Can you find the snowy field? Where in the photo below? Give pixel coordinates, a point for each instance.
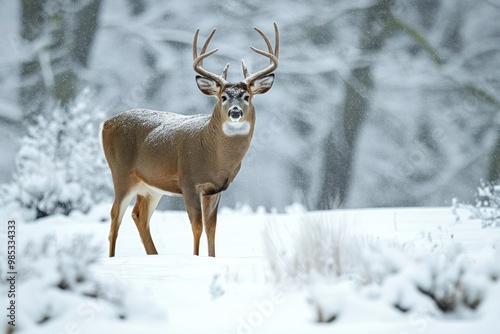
(239, 291)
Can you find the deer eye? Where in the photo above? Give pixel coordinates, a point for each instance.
(246, 98)
(224, 98)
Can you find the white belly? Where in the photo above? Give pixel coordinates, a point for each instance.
(146, 189)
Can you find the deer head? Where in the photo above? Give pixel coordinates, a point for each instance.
(234, 100)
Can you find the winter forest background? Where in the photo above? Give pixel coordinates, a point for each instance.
(376, 102)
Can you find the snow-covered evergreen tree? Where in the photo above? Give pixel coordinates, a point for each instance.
(60, 166)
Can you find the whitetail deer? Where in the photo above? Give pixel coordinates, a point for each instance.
(154, 153)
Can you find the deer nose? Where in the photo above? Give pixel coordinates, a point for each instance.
(235, 113)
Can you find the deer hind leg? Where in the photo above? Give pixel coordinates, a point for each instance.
(142, 212)
(120, 204)
(209, 206)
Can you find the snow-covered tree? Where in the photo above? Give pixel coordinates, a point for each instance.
(58, 36)
(60, 166)
(376, 102)
(432, 128)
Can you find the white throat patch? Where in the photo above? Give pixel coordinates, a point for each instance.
(236, 128)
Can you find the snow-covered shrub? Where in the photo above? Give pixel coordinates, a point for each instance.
(57, 286)
(324, 255)
(60, 166)
(487, 207)
(328, 248)
(444, 277)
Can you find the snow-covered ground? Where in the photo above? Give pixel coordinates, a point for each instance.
(237, 292)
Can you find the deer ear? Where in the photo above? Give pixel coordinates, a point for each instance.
(207, 86)
(263, 84)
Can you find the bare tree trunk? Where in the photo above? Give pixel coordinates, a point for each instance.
(494, 172)
(340, 147)
(64, 33)
(32, 92)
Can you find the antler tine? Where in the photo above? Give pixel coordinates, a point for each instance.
(269, 46)
(224, 72)
(272, 55)
(195, 43)
(276, 40)
(198, 60)
(246, 74)
(205, 46)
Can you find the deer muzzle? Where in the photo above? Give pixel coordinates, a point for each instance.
(235, 114)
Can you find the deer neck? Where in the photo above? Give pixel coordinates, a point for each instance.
(230, 145)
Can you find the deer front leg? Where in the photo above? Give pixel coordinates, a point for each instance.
(197, 227)
(209, 188)
(209, 205)
(193, 207)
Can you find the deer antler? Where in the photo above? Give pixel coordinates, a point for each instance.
(272, 55)
(198, 60)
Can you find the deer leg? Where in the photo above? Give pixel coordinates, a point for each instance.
(118, 209)
(209, 206)
(143, 209)
(197, 227)
(194, 212)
